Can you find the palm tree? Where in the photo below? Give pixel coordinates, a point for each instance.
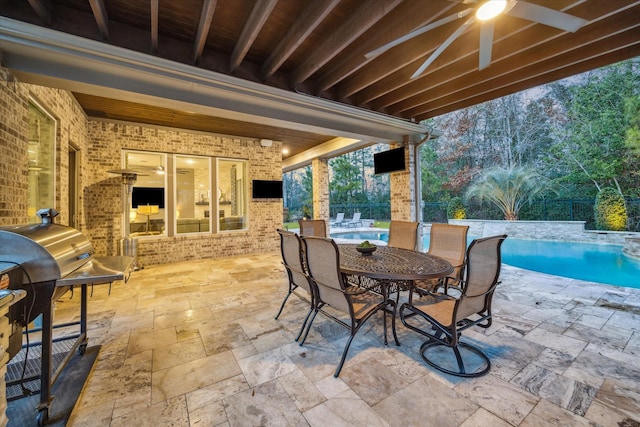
(508, 189)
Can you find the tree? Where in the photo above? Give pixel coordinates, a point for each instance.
(507, 188)
(591, 144)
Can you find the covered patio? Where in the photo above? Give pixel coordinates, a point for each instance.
(318, 81)
(195, 343)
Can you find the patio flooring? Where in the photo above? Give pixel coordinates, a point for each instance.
(196, 344)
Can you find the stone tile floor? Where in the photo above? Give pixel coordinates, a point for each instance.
(196, 344)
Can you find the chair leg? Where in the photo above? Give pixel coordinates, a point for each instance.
(283, 303)
(344, 355)
(315, 312)
(306, 318)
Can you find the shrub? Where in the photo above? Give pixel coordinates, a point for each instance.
(455, 209)
(610, 210)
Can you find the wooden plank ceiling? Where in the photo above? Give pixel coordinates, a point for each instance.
(318, 47)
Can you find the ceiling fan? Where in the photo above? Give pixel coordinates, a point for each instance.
(485, 12)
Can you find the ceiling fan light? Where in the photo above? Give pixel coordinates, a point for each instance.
(491, 9)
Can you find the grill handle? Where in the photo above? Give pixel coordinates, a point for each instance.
(47, 215)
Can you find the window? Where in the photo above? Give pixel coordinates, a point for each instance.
(148, 214)
(176, 194)
(193, 194)
(42, 154)
(232, 194)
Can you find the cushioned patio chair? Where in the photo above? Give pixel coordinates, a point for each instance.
(338, 221)
(355, 221)
(313, 227)
(442, 318)
(403, 234)
(293, 260)
(359, 304)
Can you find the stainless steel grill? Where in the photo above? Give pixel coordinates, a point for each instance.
(54, 258)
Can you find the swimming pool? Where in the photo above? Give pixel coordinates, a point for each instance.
(584, 261)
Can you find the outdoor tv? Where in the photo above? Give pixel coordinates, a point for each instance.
(147, 196)
(389, 161)
(267, 189)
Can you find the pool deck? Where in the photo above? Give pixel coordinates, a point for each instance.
(195, 343)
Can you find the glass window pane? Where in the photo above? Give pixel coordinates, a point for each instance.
(193, 194)
(232, 194)
(42, 153)
(148, 212)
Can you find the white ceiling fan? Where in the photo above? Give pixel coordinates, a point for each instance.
(485, 12)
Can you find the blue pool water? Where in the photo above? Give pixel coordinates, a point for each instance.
(584, 261)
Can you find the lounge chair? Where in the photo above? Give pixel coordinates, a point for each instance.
(355, 221)
(338, 221)
(313, 227)
(442, 318)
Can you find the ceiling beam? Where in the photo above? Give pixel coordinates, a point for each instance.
(326, 150)
(312, 16)
(608, 37)
(408, 16)
(102, 19)
(259, 15)
(206, 16)
(586, 64)
(396, 67)
(353, 27)
(400, 96)
(42, 8)
(154, 26)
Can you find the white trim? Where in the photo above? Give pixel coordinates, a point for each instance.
(43, 56)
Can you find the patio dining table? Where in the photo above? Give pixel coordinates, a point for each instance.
(392, 268)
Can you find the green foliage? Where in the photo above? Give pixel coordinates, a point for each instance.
(593, 139)
(508, 188)
(610, 210)
(455, 209)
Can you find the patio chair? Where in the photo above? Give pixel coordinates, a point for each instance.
(355, 221)
(313, 227)
(359, 304)
(292, 258)
(447, 241)
(442, 318)
(338, 221)
(403, 234)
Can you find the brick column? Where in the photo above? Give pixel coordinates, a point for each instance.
(403, 188)
(320, 172)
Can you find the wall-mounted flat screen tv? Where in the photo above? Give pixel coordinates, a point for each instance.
(263, 189)
(389, 161)
(147, 196)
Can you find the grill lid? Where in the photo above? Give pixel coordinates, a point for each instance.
(46, 251)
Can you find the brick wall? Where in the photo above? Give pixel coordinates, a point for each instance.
(108, 139)
(100, 145)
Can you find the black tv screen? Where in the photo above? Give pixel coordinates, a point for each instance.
(389, 161)
(263, 189)
(147, 196)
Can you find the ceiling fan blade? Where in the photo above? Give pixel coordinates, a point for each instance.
(546, 16)
(417, 32)
(486, 43)
(461, 29)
